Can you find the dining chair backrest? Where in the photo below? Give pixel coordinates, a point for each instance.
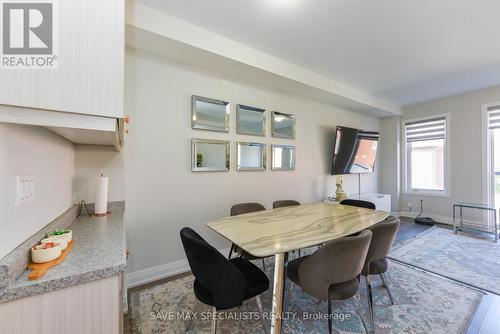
(383, 237)
(286, 202)
(213, 271)
(358, 203)
(338, 261)
(242, 208)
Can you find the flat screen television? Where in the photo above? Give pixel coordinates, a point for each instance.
(354, 151)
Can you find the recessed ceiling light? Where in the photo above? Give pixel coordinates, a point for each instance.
(283, 2)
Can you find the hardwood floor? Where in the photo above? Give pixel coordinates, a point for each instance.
(486, 319)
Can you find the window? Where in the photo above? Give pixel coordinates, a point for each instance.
(492, 185)
(426, 155)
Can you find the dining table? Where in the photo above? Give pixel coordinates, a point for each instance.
(277, 232)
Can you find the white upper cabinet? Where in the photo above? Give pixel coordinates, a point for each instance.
(89, 45)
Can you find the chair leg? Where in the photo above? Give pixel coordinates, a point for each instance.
(214, 321)
(196, 303)
(386, 286)
(358, 310)
(231, 251)
(330, 325)
(263, 264)
(370, 302)
(261, 311)
(299, 253)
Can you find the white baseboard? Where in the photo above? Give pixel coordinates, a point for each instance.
(152, 274)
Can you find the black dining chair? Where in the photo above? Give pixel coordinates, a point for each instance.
(359, 203)
(332, 272)
(383, 235)
(240, 209)
(219, 282)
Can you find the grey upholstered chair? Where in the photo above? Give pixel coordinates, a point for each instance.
(383, 237)
(332, 272)
(240, 209)
(285, 202)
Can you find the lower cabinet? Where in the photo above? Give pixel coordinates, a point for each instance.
(94, 307)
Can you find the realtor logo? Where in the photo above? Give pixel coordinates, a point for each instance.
(28, 35)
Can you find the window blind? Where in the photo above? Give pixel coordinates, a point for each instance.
(428, 129)
(494, 117)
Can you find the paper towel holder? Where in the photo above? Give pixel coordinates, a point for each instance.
(85, 211)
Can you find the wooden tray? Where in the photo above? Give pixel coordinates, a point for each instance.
(39, 269)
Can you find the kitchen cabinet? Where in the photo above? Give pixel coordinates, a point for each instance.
(89, 45)
(77, 128)
(94, 307)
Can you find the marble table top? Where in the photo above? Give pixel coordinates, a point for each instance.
(282, 230)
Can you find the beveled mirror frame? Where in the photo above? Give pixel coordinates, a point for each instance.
(263, 156)
(195, 125)
(272, 157)
(275, 134)
(195, 141)
(262, 133)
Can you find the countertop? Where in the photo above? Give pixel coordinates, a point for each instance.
(98, 252)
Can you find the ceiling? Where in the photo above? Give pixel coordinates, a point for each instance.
(402, 51)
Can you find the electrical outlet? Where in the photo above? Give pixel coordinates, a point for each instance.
(25, 189)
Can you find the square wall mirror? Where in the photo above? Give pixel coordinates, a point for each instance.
(283, 157)
(250, 156)
(283, 125)
(209, 114)
(250, 120)
(209, 155)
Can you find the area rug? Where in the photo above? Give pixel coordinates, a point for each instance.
(424, 303)
(462, 257)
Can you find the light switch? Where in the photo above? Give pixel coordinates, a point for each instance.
(25, 189)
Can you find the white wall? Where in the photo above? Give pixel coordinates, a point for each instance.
(90, 162)
(389, 159)
(465, 145)
(32, 151)
(163, 195)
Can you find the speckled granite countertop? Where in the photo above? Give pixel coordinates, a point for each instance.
(98, 252)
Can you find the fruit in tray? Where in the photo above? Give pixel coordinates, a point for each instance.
(45, 252)
(63, 236)
(55, 239)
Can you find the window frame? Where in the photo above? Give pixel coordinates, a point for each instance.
(407, 167)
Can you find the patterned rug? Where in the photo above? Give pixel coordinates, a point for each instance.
(461, 257)
(424, 303)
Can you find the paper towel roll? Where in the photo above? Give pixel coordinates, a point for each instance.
(101, 198)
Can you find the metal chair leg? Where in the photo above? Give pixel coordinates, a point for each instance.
(370, 302)
(263, 264)
(196, 303)
(299, 253)
(386, 286)
(358, 311)
(261, 311)
(214, 321)
(330, 316)
(231, 251)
